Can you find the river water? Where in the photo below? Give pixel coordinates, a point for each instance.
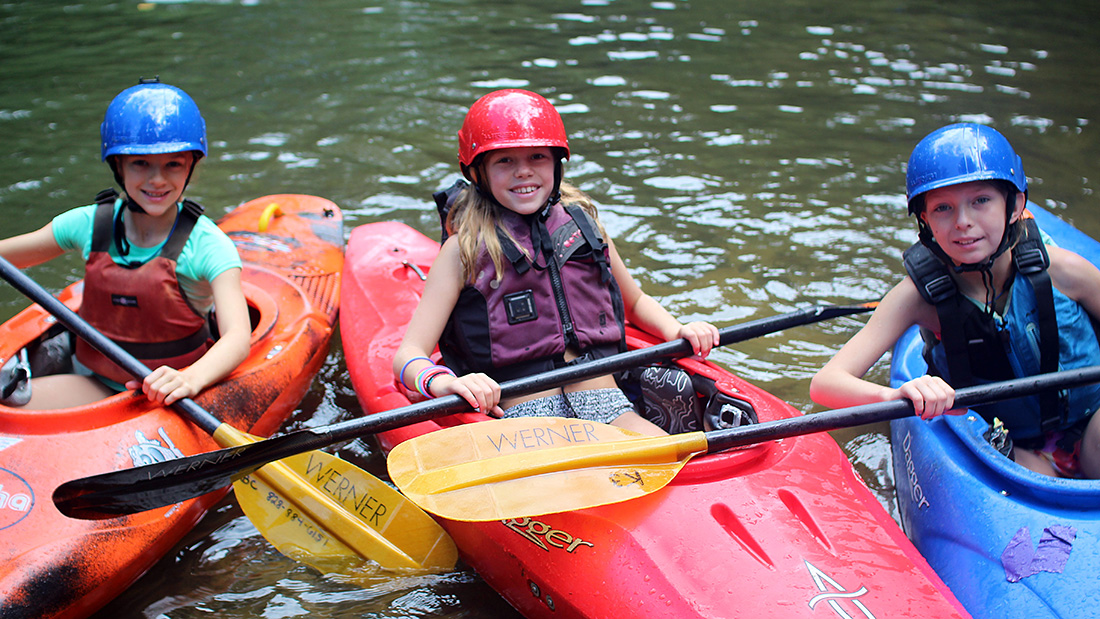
(748, 159)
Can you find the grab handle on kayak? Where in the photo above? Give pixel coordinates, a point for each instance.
(416, 269)
(271, 210)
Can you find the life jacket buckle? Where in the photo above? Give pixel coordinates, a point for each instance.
(1032, 260)
(1051, 423)
(940, 288)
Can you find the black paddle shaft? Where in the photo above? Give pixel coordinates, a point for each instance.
(718, 440)
(164, 483)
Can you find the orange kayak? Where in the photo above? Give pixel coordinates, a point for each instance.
(292, 248)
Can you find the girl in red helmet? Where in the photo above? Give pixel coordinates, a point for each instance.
(155, 265)
(993, 301)
(527, 279)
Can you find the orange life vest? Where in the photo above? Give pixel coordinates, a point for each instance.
(141, 308)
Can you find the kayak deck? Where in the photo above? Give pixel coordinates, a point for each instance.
(53, 566)
(784, 528)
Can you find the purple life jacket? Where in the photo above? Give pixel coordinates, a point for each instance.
(565, 297)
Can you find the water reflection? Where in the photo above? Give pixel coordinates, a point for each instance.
(748, 159)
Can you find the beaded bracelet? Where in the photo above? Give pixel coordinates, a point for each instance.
(401, 376)
(427, 374)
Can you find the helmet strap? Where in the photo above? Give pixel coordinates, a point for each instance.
(985, 267)
(476, 172)
(1008, 238)
(112, 162)
(194, 164)
(559, 174)
(131, 204)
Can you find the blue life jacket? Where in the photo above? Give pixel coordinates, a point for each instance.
(1042, 331)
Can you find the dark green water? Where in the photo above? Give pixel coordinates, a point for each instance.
(748, 158)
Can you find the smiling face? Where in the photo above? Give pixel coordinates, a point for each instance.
(156, 182)
(968, 220)
(521, 179)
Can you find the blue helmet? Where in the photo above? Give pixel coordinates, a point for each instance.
(961, 153)
(152, 119)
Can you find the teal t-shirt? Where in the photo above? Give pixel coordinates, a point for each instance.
(207, 254)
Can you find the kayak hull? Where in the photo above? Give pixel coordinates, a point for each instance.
(1009, 542)
(53, 566)
(784, 528)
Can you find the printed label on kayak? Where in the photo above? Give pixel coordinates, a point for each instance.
(836, 596)
(16, 498)
(151, 451)
(8, 441)
(256, 241)
(915, 490)
(544, 536)
(571, 433)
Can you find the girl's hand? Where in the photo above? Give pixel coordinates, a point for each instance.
(166, 385)
(480, 391)
(702, 335)
(930, 395)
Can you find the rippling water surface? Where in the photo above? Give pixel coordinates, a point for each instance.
(748, 158)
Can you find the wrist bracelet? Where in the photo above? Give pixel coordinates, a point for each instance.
(401, 376)
(426, 375)
(428, 383)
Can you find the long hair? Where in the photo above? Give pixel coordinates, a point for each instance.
(473, 220)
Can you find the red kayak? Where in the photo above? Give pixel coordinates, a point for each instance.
(53, 566)
(781, 529)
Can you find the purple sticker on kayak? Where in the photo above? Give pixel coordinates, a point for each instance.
(1020, 560)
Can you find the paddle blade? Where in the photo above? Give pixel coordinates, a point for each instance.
(292, 532)
(322, 510)
(319, 509)
(512, 468)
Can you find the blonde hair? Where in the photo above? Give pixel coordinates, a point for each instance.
(473, 221)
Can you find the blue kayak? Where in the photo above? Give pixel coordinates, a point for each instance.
(1008, 542)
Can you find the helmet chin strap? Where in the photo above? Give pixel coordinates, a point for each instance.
(985, 267)
(132, 205)
(476, 172)
(1007, 238)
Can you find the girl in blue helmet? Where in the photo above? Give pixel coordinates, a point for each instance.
(155, 266)
(993, 301)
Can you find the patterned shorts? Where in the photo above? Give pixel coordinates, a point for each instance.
(1065, 462)
(599, 405)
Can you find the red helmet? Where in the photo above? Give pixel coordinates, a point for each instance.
(509, 119)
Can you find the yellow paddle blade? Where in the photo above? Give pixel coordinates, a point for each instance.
(319, 509)
(511, 468)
